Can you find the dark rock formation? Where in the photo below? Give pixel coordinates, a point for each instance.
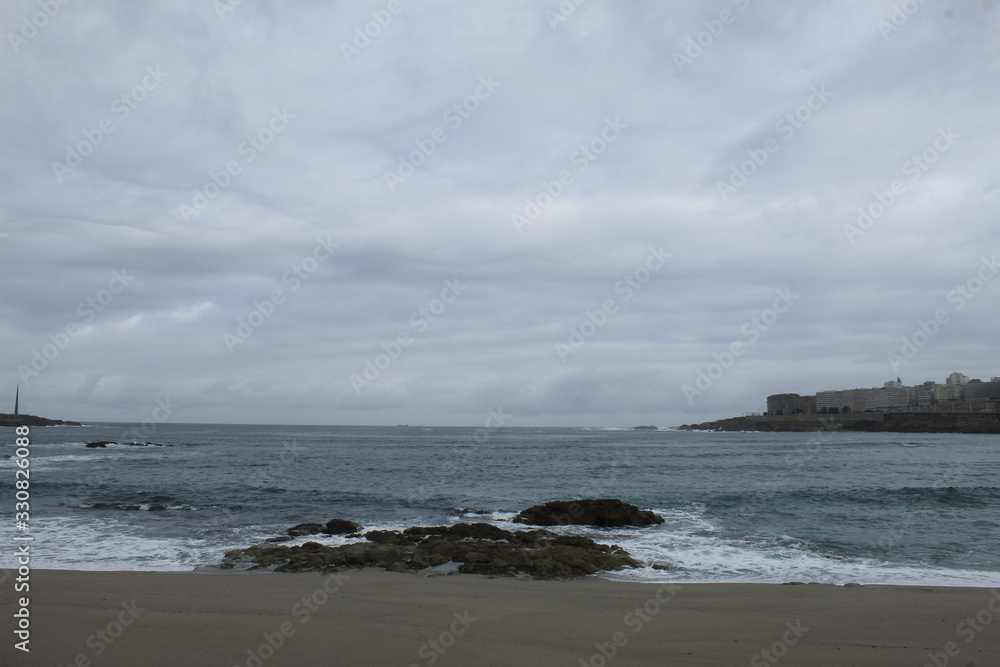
(904, 422)
(105, 443)
(603, 513)
(479, 549)
(332, 527)
(305, 529)
(342, 527)
(32, 420)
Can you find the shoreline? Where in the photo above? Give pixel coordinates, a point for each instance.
(883, 422)
(373, 617)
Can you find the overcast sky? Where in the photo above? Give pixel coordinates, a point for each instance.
(380, 213)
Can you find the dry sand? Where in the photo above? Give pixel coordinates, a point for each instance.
(372, 617)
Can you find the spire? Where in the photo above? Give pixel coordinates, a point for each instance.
(17, 399)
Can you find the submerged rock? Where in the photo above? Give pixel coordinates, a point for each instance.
(105, 443)
(478, 548)
(603, 513)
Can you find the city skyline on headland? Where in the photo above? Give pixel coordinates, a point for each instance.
(958, 393)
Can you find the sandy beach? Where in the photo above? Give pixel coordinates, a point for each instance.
(369, 617)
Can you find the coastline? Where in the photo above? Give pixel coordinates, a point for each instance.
(373, 617)
(12, 421)
(887, 422)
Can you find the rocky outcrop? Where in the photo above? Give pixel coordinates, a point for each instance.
(304, 529)
(477, 548)
(32, 420)
(342, 527)
(105, 443)
(603, 513)
(332, 527)
(908, 422)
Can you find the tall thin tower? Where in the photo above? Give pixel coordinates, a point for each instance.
(17, 399)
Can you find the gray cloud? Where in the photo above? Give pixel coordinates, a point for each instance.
(277, 129)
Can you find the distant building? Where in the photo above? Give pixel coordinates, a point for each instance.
(983, 391)
(791, 404)
(957, 379)
(925, 395)
(956, 395)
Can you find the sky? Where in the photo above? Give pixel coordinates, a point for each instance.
(528, 213)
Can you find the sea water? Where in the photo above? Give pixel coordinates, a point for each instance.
(830, 507)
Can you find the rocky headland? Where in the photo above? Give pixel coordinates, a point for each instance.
(907, 422)
(32, 420)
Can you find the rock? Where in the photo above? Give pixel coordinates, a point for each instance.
(479, 531)
(662, 566)
(305, 529)
(603, 513)
(105, 443)
(478, 548)
(279, 538)
(342, 527)
(387, 537)
(475, 557)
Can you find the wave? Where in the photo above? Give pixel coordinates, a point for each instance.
(153, 505)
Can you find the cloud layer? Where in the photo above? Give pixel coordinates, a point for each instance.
(384, 212)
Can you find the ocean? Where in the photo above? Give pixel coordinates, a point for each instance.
(828, 507)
